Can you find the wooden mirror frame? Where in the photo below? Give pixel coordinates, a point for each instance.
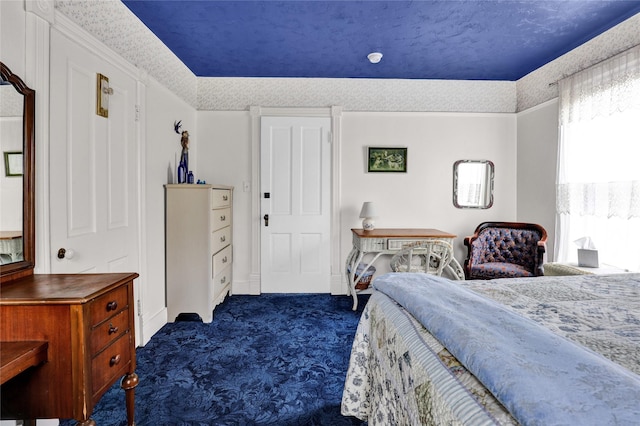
(25, 267)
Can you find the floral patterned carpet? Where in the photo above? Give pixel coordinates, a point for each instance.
(273, 359)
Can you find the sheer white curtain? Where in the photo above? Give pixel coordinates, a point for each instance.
(598, 189)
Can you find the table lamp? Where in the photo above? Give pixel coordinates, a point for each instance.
(367, 214)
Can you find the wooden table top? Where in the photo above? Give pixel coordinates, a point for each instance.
(60, 288)
(402, 233)
(10, 235)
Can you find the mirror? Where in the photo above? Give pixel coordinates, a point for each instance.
(473, 184)
(17, 189)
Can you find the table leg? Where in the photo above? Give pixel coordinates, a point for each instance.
(129, 383)
(349, 265)
(357, 257)
(455, 269)
(353, 281)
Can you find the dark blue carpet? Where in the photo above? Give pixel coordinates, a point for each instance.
(273, 359)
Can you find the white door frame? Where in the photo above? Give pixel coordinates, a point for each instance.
(335, 113)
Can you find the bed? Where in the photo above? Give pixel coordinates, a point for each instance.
(531, 351)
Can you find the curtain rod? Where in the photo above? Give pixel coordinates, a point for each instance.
(555, 83)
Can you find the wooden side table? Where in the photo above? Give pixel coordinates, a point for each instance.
(389, 241)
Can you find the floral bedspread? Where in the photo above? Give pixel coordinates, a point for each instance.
(601, 312)
(400, 374)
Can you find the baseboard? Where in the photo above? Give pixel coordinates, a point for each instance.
(338, 285)
(246, 287)
(151, 324)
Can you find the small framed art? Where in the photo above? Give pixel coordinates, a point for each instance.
(13, 163)
(387, 160)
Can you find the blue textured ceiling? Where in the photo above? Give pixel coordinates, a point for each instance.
(465, 40)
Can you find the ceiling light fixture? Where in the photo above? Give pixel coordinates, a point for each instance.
(374, 57)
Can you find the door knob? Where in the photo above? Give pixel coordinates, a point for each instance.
(266, 220)
(66, 254)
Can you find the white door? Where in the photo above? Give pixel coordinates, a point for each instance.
(93, 162)
(295, 197)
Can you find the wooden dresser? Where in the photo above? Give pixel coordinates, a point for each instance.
(199, 249)
(85, 323)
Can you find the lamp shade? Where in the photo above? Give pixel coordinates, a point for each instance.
(368, 210)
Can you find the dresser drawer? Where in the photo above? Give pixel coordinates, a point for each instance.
(222, 279)
(221, 260)
(220, 218)
(109, 304)
(369, 244)
(110, 363)
(220, 239)
(221, 282)
(220, 198)
(108, 331)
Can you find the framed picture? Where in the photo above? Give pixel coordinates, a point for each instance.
(13, 163)
(387, 160)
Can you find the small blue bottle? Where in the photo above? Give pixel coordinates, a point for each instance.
(190, 177)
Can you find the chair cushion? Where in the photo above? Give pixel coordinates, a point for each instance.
(498, 270)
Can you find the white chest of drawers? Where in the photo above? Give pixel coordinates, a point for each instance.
(199, 249)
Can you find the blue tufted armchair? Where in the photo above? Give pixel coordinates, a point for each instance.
(505, 250)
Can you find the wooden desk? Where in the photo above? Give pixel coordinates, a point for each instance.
(87, 322)
(388, 241)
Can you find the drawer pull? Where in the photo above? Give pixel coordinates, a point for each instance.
(223, 218)
(223, 280)
(112, 329)
(224, 259)
(115, 360)
(223, 239)
(112, 306)
(225, 198)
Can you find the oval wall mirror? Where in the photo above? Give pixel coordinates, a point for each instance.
(473, 184)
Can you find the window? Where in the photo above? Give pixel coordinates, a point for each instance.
(598, 188)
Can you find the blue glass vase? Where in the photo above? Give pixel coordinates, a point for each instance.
(182, 173)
